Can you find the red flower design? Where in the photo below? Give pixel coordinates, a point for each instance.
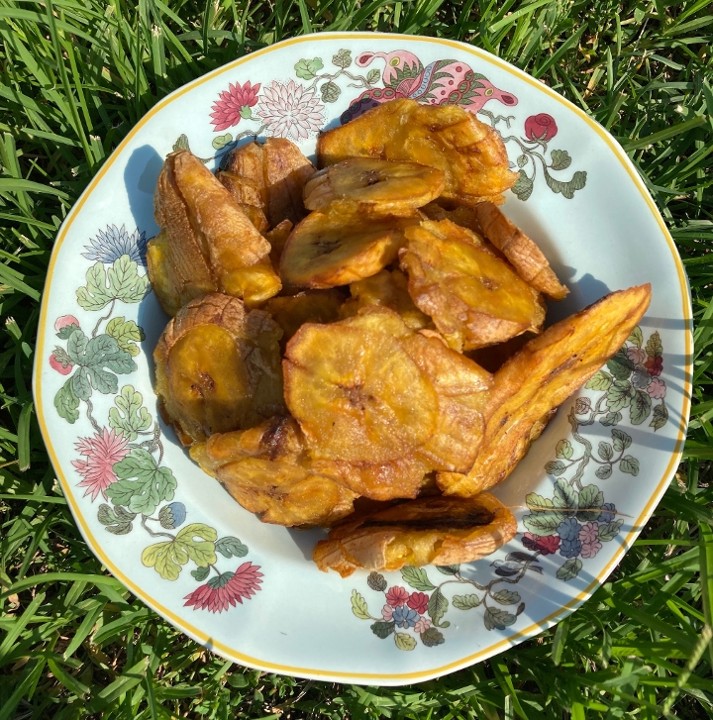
(61, 363)
(226, 110)
(541, 127)
(545, 544)
(418, 601)
(64, 320)
(654, 365)
(228, 589)
(396, 596)
(101, 451)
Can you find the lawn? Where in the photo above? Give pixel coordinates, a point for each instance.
(74, 78)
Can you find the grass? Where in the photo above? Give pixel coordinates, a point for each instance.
(73, 643)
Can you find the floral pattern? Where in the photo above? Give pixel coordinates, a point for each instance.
(295, 108)
(120, 462)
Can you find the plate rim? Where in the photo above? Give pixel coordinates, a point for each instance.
(507, 641)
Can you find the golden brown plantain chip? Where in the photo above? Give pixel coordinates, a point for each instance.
(268, 471)
(542, 375)
(470, 153)
(218, 368)
(247, 195)
(341, 245)
(432, 530)
(391, 187)
(474, 298)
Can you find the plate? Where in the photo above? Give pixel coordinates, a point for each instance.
(248, 591)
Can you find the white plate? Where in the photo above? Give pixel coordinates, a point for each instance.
(249, 591)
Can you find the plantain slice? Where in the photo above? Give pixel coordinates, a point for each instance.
(206, 242)
(341, 245)
(268, 471)
(388, 288)
(474, 298)
(217, 368)
(277, 237)
(360, 399)
(462, 388)
(392, 187)
(279, 171)
(543, 374)
(431, 530)
(248, 195)
(470, 153)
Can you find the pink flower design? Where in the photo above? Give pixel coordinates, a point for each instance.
(541, 127)
(636, 355)
(656, 388)
(589, 532)
(102, 451)
(422, 624)
(61, 363)
(589, 550)
(64, 320)
(226, 590)
(387, 612)
(231, 102)
(418, 601)
(396, 596)
(654, 365)
(545, 544)
(291, 111)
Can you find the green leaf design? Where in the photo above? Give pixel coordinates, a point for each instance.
(167, 558)
(437, 606)
(220, 141)
(404, 641)
(417, 578)
(126, 333)
(605, 451)
(342, 59)
(129, 416)
(117, 519)
(373, 76)
(506, 597)
(629, 465)
(565, 496)
(66, 403)
(359, 606)
(104, 351)
(619, 396)
(77, 346)
(599, 381)
(142, 484)
(466, 602)
(448, 569)
(660, 416)
(121, 281)
(544, 519)
(195, 542)
(80, 385)
(382, 629)
(620, 366)
(621, 440)
(570, 569)
(591, 499)
(603, 472)
(566, 188)
(376, 581)
(308, 69)
(610, 530)
(636, 338)
(201, 573)
(330, 92)
(640, 407)
(198, 540)
(523, 186)
(611, 418)
(654, 346)
(564, 449)
(555, 467)
(561, 160)
(432, 637)
(231, 547)
(181, 143)
(497, 618)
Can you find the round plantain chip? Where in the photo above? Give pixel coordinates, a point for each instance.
(268, 471)
(389, 186)
(217, 368)
(430, 530)
(356, 393)
(341, 245)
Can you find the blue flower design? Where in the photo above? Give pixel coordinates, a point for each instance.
(569, 529)
(172, 515)
(113, 242)
(607, 514)
(404, 616)
(570, 548)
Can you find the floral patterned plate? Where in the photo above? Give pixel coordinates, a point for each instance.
(249, 591)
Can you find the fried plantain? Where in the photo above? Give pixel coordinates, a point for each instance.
(248, 196)
(470, 153)
(392, 187)
(542, 375)
(217, 368)
(474, 298)
(431, 530)
(268, 471)
(340, 246)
